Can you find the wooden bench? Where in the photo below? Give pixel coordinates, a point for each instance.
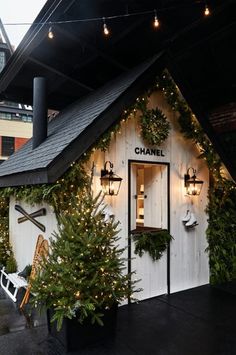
(13, 283)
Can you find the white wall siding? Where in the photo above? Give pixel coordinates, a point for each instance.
(188, 259)
(23, 236)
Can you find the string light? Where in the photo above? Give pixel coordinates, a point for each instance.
(105, 29)
(93, 19)
(206, 11)
(156, 22)
(50, 33)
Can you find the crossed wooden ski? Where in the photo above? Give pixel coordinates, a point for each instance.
(41, 252)
(31, 216)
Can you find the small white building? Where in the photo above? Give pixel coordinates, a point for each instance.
(152, 193)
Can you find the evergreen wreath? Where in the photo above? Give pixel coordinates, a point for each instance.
(153, 242)
(154, 126)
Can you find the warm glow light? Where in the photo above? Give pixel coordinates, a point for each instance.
(207, 11)
(110, 182)
(193, 184)
(156, 22)
(105, 28)
(193, 190)
(50, 33)
(112, 189)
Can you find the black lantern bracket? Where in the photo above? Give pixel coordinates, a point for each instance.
(105, 170)
(109, 180)
(193, 184)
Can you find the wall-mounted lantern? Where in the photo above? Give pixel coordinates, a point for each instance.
(193, 184)
(110, 182)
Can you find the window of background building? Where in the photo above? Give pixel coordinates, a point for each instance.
(5, 116)
(8, 146)
(15, 117)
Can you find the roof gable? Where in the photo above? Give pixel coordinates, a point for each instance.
(76, 128)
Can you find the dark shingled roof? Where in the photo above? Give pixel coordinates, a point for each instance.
(76, 128)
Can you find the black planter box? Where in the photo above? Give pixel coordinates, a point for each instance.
(75, 336)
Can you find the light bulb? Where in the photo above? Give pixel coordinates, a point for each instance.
(105, 28)
(111, 189)
(207, 11)
(50, 33)
(156, 22)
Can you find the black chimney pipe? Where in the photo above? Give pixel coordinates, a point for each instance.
(40, 119)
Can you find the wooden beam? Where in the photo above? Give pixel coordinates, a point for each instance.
(63, 75)
(97, 52)
(6, 37)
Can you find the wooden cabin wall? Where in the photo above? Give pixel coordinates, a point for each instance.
(23, 236)
(188, 259)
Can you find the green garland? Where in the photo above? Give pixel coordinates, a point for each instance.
(6, 253)
(188, 123)
(221, 209)
(221, 231)
(153, 242)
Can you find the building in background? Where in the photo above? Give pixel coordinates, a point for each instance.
(15, 127)
(15, 119)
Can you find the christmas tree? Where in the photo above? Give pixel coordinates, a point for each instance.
(84, 273)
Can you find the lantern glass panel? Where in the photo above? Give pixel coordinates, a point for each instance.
(194, 186)
(111, 184)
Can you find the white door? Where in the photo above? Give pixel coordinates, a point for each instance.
(149, 208)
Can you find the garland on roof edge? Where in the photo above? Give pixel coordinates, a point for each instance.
(221, 209)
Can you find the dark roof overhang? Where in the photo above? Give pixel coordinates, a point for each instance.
(24, 167)
(79, 59)
(201, 55)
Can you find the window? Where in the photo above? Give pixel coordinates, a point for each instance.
(5, 116)
(149, 196)
(27, 118)
(16, 117)
(148, 212)
(8, 146)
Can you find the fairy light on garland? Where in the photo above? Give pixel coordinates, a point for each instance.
(6, 253)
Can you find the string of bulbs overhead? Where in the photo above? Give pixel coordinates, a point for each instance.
(105, 28)
(106, 31)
